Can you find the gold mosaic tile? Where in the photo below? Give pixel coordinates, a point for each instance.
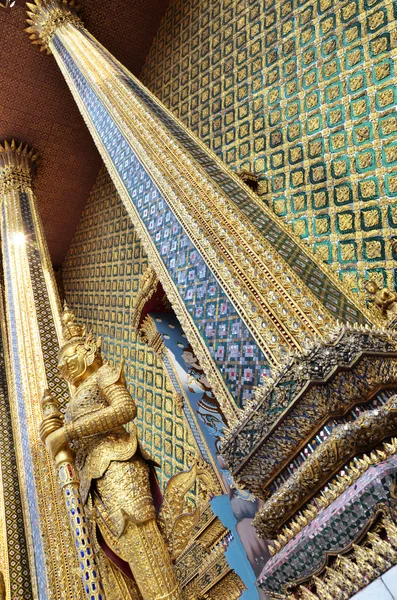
(304, 94)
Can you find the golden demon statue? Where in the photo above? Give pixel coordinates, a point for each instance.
(116, 474)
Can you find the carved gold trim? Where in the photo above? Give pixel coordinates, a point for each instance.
(202, 567)
(212, 535)
(365, 559)
(384, 299)
(179, 401)
(331, 492)
(347, 440)
(176, 518)
(230, 586)
(354, 362)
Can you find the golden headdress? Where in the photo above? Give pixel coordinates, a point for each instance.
(72, 332)
(75, 334)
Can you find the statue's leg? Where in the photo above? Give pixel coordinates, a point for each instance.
(131, 531)
(150, 561)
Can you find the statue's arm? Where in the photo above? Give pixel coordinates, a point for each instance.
(121, 410)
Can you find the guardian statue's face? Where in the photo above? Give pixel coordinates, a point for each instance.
(73, 363)
(80, 355)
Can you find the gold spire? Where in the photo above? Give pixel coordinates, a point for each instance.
(16, 165)
(70, 329)
(46, 16)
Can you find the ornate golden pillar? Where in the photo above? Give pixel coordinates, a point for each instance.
(16, 580)
(246, 291)
(32, 314)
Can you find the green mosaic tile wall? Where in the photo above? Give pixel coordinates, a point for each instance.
(101, 277)
(302, 92)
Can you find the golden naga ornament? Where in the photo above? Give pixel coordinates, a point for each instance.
(118, 485)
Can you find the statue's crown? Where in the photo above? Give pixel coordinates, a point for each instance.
(70, 329)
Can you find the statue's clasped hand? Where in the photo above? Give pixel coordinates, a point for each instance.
(56, 441)
(52, 431)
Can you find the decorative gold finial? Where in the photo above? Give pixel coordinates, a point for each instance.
(16, 165)
(46, 16)
(70, 329)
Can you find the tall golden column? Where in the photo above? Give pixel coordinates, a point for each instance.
(219, 252)
(32, 314)
(15, 573)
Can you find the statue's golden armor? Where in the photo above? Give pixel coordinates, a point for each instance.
(94, 428)
(114, 471)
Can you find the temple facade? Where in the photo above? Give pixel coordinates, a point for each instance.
(198, 300)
